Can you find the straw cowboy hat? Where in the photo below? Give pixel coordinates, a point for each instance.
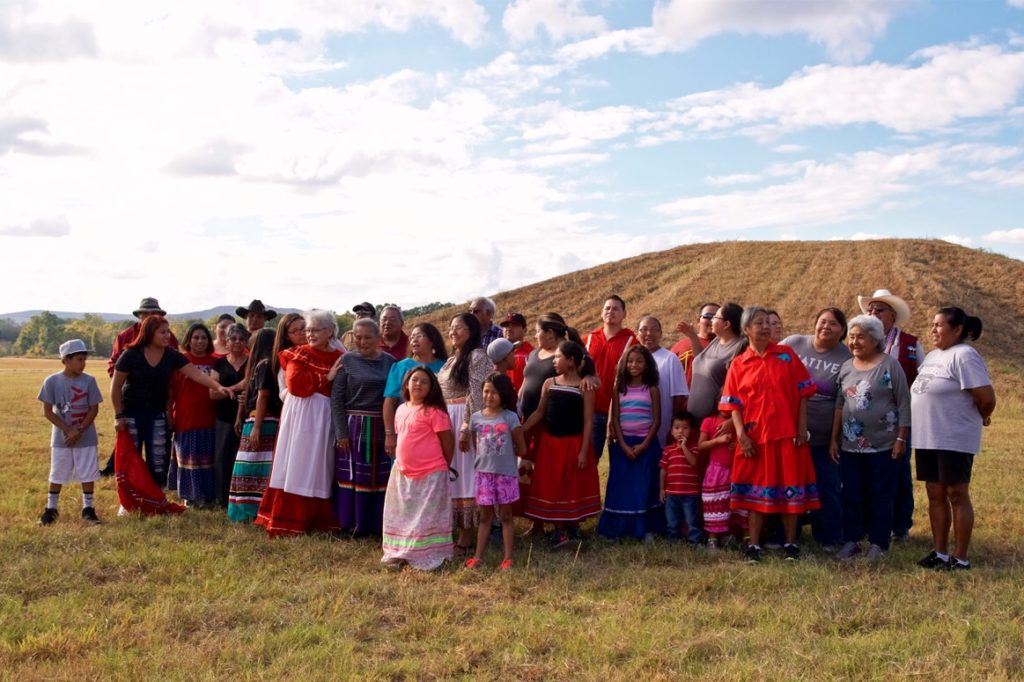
(894, 302)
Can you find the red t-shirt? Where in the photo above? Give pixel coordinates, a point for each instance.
(768, 389)
(418, 452)
(399, 351)
(683, 350)
(306, 368)
(606, 354)
(190, 402)
(721, 454)
(681, 477)
(516, 373)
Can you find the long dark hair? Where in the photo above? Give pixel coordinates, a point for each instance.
(435, 398)
(578, 354)
(281, 341)
(649, 376)
(436, 339)
(192, 331)
(460, 370)
(506, 391)
(261, 349)
(970, 326)
(555, 323)
(147, 330)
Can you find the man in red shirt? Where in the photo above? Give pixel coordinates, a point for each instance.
(514, 329)
(684, 347)
(606, 345)
(393, 339)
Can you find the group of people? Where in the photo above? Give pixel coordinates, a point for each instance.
(734, 434)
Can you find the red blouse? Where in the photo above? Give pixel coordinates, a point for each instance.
(306, 368)
(191, 404)
(768, 390)
(606, 353)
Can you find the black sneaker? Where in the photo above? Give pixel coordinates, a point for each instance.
(108, 470)
(89, 515)
(48, 516)
(957, 565)
(934, 562)
(792, 552)
(752, 554)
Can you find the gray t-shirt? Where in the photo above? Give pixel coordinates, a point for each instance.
(709, 370)
(71, 398)
(875, 404)
(823, 368)
(945, 416)
(495, 450)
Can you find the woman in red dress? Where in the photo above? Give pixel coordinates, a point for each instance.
(766, 391)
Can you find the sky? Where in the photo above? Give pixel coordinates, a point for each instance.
(316, 153)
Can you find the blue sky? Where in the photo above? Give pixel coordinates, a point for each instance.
(317, 154)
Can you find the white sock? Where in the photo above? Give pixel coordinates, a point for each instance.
(963, 562)
(51, 500)
(86, 500)
(944, 557)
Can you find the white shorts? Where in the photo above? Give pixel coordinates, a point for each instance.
(70, 464)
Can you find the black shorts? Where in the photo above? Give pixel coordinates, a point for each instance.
(944, 466)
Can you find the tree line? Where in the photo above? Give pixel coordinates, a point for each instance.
(42, 334)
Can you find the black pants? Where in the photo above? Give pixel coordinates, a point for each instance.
(225, 448)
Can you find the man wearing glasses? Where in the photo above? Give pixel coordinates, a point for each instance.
(894, 313)
(683, 349)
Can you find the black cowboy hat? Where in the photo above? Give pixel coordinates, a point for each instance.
(255, 307)
(149, 305)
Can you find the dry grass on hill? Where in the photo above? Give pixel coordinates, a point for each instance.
(797, 279)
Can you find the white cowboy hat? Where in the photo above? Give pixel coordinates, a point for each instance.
(894, 302)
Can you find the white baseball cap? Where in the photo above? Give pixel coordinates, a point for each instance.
(71, 347)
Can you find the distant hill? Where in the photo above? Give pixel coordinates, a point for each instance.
(23, 316)
(797, 279)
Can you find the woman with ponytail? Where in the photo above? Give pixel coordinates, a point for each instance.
(950, 401)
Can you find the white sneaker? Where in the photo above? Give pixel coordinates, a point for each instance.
(121, 511)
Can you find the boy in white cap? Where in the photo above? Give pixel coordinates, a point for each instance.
(71, 399)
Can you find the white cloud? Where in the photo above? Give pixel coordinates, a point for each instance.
(847, 28)
(733, 179)
(1015, 3)
(1001, 177)
(56, 226)
(788, 148)
(988, 81)
(865, 236)
(23, 39)
(823, 193)
(1015, 236)
(562, 129)
(561, 19)
(957, 239)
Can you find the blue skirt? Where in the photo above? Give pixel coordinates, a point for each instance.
(632, 507)
(362, 475)
(194, 449)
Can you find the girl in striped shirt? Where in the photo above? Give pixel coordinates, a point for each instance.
(632, 507)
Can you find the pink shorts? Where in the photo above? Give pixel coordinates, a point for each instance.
(496, 488)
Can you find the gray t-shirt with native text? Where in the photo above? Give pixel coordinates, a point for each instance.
(823, 367)
(71, 398)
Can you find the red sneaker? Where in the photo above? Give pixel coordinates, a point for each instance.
(505, 565)
(473, 563)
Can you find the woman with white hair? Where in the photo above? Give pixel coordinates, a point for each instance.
(298, 497)
(869, 437)
(357, 403)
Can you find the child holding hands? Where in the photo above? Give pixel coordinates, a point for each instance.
(680, 480)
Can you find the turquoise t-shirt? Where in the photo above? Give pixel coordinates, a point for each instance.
(393, 387)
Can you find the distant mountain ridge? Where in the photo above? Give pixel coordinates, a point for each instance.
(24, 316)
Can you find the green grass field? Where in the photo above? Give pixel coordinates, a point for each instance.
(196, 597)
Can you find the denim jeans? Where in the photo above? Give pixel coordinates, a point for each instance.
(903, 508)
(599, 433)
(827, 522)
(679, 508)
(869, 486)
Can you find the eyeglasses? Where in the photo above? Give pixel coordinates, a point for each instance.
(314, 330)
(707, 316)
(878, 309)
